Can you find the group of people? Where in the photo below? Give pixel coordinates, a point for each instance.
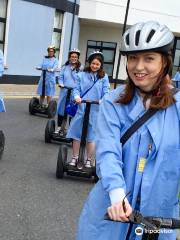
(89, 83)
(147, 165)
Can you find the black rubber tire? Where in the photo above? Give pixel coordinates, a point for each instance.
(49, 130)
(52, 108)
(2, 143)
(33, 102)
(62, 159)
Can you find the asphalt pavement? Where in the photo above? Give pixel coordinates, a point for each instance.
(34, 205)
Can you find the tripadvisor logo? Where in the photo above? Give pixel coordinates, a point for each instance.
(139, 231)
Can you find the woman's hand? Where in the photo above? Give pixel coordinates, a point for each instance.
(118, 212)
(38, 68)
(78, 100)
(50, 70)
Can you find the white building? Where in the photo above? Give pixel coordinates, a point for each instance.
(101, 24)
(27, 27)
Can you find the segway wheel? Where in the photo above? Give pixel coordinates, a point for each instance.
(32, 104)
(96, 179)
(49, 130)
(62, 159)
(2, 143)
(52, 108)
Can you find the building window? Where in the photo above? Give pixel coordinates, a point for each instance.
(3, 12)
(108, 49)
(176, 62)
(56, 37)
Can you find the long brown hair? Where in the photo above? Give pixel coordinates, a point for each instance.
(161, 96)
(100, 72)
(76, 66)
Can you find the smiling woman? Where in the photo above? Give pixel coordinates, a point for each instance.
(148, 162)
(144, 68)
(148, 72)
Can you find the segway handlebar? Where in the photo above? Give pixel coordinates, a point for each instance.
(152, 223)
(69, 88)
(89, 101)
(48, 70)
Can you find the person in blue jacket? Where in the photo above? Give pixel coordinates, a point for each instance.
(2, 105)
(176, 78)
(93, 74)
(50, 63)
(148, 165)
(67, 78)
(1, 63)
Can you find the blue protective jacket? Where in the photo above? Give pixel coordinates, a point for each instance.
(154, 187)
(50, 79)
(176, 79)
(68, 78)
(1, 64)
(84, 81)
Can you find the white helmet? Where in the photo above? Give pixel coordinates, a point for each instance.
(95, 53)
(51, 47)
(74, 50)
(147, 36)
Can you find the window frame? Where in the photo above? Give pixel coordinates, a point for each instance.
(58, 30)
(3, 20)
(101, 48)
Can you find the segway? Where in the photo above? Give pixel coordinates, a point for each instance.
(36, 107)
(50, 134)
(62, 161)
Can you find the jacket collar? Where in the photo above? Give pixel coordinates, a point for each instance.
(154, 124)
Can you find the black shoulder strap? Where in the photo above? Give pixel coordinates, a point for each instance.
(137, 125)
(147, 115)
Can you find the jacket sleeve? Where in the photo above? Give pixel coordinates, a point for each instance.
(106, 85)
(61, 76)
(77, 89)
(1, 63)
(108, 147)
(81, 68)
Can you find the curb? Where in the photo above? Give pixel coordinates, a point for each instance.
(20, 95)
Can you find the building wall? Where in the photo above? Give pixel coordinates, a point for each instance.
(99, 33)
(66, 34)
(103, 20)
(166, 12)
(28, 36)
(29, 30)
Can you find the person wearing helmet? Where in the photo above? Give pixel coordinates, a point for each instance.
(176, 78)
(147, 166)
(49, 63)
(95, 77)
(67, 79)
(1, 63)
